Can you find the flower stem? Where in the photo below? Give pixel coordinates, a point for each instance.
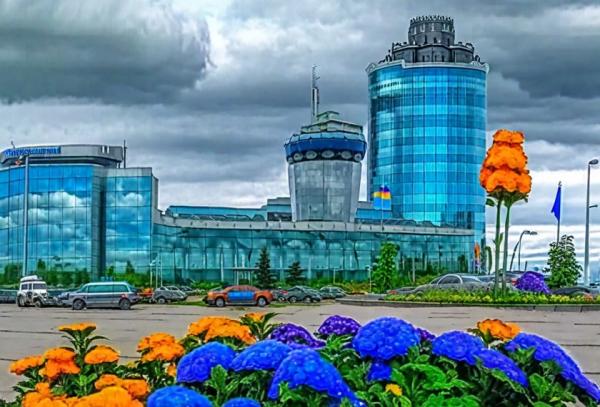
(497, 246)
(505, 260)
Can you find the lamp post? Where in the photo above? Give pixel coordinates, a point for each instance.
(586, 261)
(518, 245)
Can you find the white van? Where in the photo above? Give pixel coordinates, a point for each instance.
(33, 291)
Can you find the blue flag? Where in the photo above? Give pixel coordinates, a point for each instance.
(556, 207)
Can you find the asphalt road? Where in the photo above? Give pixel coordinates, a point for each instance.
(30, 331)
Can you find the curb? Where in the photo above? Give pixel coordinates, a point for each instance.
(526, 307)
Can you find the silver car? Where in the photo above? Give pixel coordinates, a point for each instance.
(457, 282)
(101, 295)
(163, 295)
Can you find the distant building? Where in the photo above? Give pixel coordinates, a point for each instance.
(427, 123)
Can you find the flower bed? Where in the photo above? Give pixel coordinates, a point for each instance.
(252, 362)
(480, 297)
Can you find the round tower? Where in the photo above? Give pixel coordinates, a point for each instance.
(325, 168)
(431, 30)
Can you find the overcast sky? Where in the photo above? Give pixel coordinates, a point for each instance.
(206, 92)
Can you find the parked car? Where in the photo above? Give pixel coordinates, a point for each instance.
(239, 295)
(33, 291)
(577, 291)
(461, 282)
(163, 295)
(332, 292)
(188, 290)
(8, 296)
(302, 293)
(279, 294)
(101, 295)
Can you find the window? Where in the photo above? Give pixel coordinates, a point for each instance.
(450, 280)
(100, 289)
(120, 288)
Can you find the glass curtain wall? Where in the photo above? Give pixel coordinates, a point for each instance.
(427, 127)
(218, 254)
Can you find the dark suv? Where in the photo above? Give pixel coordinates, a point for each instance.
(302, 293)
(101, 295)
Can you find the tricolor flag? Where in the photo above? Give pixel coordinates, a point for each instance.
(382, 199)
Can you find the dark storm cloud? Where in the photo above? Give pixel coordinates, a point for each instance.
(111, 50)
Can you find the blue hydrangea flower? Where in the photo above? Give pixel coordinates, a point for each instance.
(457, 345)
(305, 367)
(241, 402)
(385, 338)
(379, 371)
(177, 396)
(195, 367)
(425, 335)
(492, 359)
(263, 355)
(532, 282)
(338, 325)
(546, 350)
(295, 334)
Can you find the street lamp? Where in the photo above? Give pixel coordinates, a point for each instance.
(586, 262)
(518, 245)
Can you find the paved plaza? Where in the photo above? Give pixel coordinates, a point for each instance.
(30, 331)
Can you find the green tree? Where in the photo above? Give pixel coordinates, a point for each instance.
(562, 263)
(295, 274)
(66, 278)
(41, 266)
(129, 269)
(12, 272)
(264, 278)
(110, 272)
(384, 268)
(52, 277)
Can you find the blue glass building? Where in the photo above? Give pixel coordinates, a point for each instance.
(427, 121)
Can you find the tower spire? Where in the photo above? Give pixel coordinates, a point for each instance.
(314, 95)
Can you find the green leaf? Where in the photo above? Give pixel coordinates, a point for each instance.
(539, 385)
(541, 404)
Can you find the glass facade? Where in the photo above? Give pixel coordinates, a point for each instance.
(427, 141)
(61, 232)
(222, 253)
(128, 207)
(323, 189)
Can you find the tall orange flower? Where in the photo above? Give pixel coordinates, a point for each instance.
(137, 388)
(220, 327)
(109, 397)
(59, 361)
(101, 354)
(504, 169)
(79, 327)
(164, 353)
(498, 329)
(23, 365)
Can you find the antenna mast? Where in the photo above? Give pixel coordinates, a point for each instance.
(314, 95)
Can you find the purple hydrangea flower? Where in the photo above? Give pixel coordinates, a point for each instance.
(379, 371)
(196, 366)
(177, 396)
(457, 345)
(241, 402)
(295, 334)
(263, 355)
(305, 367)
(546, 350)
(492, 359)
(425, 335)
(385, 338)
(338, 325)
(532, 282)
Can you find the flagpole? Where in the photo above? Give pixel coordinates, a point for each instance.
(560, 210)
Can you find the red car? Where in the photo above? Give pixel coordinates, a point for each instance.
(239, 295)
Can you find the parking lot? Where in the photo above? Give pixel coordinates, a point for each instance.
(29, 331)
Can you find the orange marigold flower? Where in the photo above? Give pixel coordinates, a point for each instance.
(394, 389)
(77, 327)
(107, 380)
(155, 340)
(35, 398)
(498, 329)
(22, 365)
(172, 370)
(59, 361)
(508, 136)
(255, 316)
(101, 354)
(203, 324)
(231, 329)
(137, 388)
(53, 403)
(165, 353)
(109, 397)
